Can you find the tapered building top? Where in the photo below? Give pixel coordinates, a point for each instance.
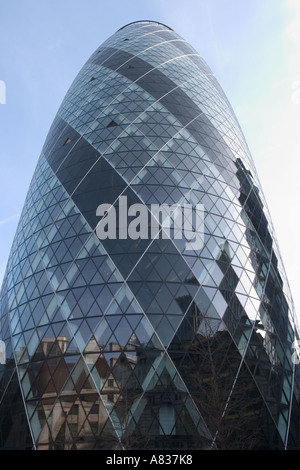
(144, 303)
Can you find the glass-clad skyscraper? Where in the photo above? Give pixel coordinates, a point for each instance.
(115, 339)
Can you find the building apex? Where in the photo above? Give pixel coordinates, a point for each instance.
(146, 21)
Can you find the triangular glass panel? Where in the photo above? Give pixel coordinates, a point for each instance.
(112, 124)
(108, 437)
(81, 332)
(102, 333)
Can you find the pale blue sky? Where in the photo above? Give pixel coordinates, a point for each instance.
(253, 47)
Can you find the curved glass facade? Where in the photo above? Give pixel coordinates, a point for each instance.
(138, 342)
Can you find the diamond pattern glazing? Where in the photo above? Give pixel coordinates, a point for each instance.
(131, 344)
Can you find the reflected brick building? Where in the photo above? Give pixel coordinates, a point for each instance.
(132, 344)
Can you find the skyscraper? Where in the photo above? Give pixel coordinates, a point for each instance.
(120, 334)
